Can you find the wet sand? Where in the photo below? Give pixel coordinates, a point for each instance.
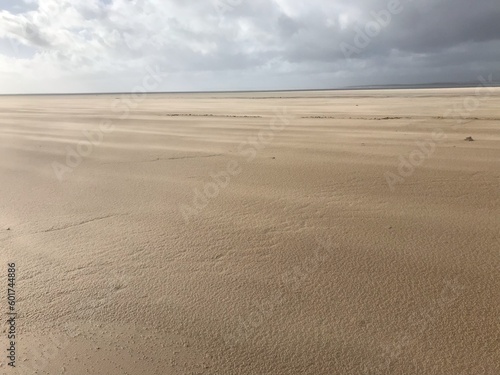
(332, 232)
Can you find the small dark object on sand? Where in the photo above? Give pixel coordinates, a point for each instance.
(469, 139)
(8, 228)
(274, 157)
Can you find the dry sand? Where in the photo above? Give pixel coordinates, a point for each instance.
(304, 262)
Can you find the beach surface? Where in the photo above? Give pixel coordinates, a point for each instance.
(322, 232)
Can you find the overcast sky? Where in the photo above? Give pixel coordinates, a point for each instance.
(107, 45)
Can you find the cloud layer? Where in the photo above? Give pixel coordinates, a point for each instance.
(106, 45)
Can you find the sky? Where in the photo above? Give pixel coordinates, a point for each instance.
(61, 46)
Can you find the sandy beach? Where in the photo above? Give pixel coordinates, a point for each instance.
(321, 232)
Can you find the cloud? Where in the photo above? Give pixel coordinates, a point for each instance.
(97, 45)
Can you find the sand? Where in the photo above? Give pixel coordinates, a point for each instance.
(253, 233)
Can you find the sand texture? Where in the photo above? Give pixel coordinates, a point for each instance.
(334, 232)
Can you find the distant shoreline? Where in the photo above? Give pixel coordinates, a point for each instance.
(348, 88)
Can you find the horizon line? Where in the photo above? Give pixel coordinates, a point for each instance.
(397, 86)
